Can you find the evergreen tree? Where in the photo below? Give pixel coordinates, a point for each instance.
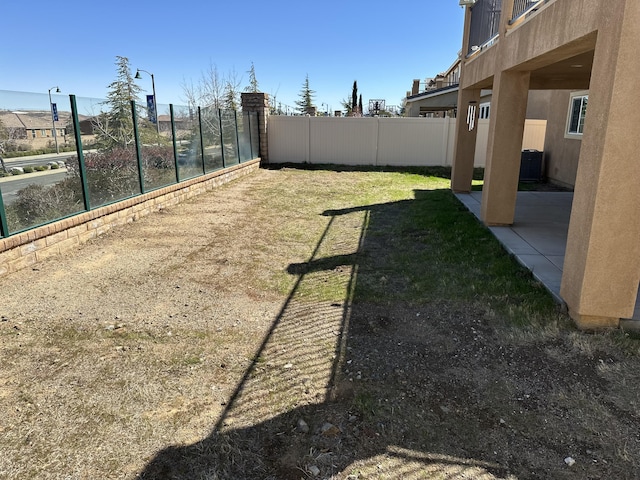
(115, 126)
(360, 106)
(253, 81)
(354, 98)
(305, 104)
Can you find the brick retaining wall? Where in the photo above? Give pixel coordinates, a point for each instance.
(27, 248)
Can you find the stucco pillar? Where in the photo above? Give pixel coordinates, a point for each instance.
(465, 144)
(259, 102)
(504, 148)
(602, 262)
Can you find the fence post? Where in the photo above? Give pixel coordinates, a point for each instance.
(221, 136)
(81, 167)
(204, 169)
(235, 116)
(136, 139)
(4, 229)
(249, 129)
(173, 141)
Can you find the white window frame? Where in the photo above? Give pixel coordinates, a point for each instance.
(574, 97)
(485, 110)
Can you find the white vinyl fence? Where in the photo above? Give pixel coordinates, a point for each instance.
(378, 141)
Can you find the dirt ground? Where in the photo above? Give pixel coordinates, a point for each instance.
(262, 331)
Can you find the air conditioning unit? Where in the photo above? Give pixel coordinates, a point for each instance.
(467, 2)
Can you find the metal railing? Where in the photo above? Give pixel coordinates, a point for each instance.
(185, 143)
(485, 20)
(522, 7)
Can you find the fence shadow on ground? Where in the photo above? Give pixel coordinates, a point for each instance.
(345, 384)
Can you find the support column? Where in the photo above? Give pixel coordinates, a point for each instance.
(259, 102)
(602, 262)
(506, 127)
(465, 144)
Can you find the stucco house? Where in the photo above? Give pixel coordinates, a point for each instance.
(584, 51)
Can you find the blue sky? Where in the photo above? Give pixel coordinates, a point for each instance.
(381, 44)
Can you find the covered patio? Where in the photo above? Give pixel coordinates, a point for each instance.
(560, 45)
(538, 237)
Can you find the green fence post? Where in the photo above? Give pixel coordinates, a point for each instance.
(80, 151)
(221, 136)
(204, 169)
(134, 116)
(173, 138)
(250, 139)
(235, 117)
(4, 228)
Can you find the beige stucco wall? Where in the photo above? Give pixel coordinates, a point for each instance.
(561, 154)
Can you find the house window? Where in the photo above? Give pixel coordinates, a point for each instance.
(43, 133)
(485, 110)
(33, 134)
(577, 113)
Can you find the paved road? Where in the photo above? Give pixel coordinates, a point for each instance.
(10, 185)
(35, 160)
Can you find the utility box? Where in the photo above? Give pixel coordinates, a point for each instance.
(531, 166)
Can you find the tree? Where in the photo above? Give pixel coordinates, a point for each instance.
(231, 93)
(305, 104)
(360, 106)
(115, 126)
(354, 98)
(253, 81)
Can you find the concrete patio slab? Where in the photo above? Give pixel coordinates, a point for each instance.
(538, 237)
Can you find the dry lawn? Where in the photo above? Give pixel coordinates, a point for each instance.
(307, 324)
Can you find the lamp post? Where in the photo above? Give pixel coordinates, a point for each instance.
(155, 102)
(53, 118)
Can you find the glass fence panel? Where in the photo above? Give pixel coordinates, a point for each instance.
(156, 148)
(188, 142)
(229, 137)
(244, 137)
(46, 186)
(109, 151)
(112, 174)
(211, 139)
(255, 134)
(40, 190)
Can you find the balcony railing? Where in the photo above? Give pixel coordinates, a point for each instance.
(522, 7)
(485, 19)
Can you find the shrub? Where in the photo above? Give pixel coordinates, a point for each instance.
(40, 168)
(27, 170)
(37, 204)
(54, 166)
(16, 171)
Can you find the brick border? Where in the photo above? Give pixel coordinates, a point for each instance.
(27, 248)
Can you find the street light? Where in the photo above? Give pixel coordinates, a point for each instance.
(53, 118)
(155, 102)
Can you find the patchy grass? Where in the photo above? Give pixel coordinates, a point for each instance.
(368, 303)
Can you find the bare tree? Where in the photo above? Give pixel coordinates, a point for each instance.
(231, 100)
(214, 89)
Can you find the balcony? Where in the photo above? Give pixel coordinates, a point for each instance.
(485, 20)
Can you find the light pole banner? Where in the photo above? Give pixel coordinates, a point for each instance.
(54, 107)
(151, 108)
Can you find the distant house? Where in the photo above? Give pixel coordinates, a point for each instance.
(34, 128)
(435, 97)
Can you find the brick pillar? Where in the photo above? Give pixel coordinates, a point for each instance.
(259, 102)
